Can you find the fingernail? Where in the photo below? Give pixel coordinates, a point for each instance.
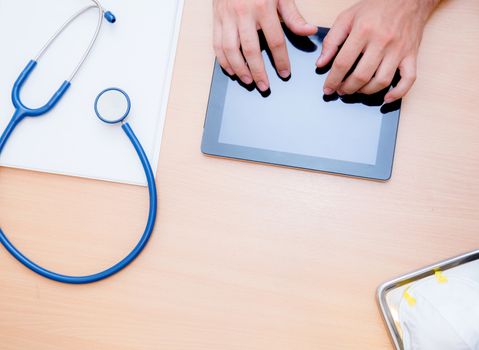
(311, 26)
(341, 93)
(328, 91)
(320, 58)
(284, 73)
(230, 71)
(246, 79)
(388, 100)
(262, 86)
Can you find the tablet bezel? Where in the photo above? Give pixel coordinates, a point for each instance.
(382, 170)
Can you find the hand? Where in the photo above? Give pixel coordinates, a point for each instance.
(236, 40)
(387, 33)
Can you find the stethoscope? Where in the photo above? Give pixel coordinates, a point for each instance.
(104, 106)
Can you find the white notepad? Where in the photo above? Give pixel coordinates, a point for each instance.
(135, 54)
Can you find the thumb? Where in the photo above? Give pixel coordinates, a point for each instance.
(293, 19)
(333, 40)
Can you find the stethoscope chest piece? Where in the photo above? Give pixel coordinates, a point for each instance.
(112, 105)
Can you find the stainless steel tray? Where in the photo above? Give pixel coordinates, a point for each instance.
(401, 281)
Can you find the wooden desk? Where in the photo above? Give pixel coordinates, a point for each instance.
(249, 256)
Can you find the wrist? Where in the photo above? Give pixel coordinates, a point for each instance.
(420, 8)
(427, 7)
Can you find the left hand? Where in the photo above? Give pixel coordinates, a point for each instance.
(387, 33)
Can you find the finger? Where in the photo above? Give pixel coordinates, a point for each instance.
(294, 20)
(252, 52)
(383, 77)
(407, 69)
(276, 42)
(218, 47)
(363, 73)
(334, 39)
(231, 48)
(347, 56)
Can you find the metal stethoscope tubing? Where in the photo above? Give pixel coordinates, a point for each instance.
(22, 112)
(101, 12)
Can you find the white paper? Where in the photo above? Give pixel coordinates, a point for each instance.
(135, 54)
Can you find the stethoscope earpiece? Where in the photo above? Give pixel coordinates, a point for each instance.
(110, 17)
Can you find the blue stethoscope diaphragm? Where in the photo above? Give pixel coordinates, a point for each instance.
(112, 105)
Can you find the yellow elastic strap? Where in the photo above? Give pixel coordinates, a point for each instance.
(440, 277)
(409, 298)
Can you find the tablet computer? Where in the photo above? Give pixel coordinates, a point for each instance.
(294, 124)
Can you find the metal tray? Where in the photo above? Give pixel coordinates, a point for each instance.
(398, 282)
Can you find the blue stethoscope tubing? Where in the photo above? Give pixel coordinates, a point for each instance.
(21, 112)
(123, 263)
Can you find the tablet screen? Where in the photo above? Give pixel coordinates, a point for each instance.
(295, 118)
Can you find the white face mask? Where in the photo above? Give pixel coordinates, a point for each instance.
(441, 314)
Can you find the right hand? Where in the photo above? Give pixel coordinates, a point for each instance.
(236, 41)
